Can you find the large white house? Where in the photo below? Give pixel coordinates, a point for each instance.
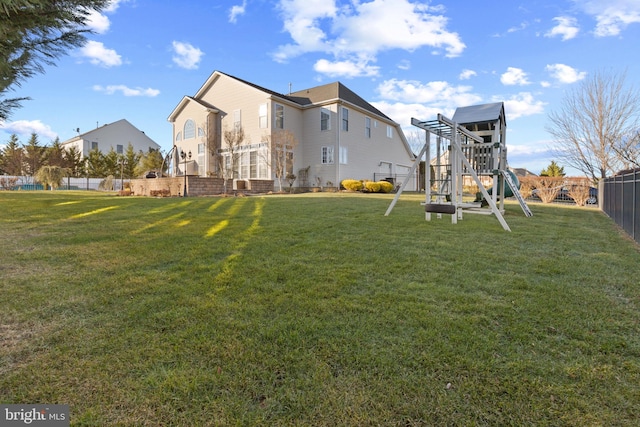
(337, 134)
(117, 136)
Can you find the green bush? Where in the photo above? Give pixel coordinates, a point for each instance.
(352, 184)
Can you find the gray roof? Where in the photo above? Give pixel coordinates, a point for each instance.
(331, 91)
(479, 113)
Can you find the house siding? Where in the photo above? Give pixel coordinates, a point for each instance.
(303, 118)
(110, 136)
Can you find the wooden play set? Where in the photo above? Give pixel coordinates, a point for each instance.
(470, 148)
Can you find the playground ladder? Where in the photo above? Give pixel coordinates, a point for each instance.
(516, 192)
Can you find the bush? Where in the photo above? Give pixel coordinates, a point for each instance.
(352, 185)
(372, 187)
(385, 187)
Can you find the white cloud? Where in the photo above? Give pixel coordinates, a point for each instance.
(514, 76)
(186, 56)
(126, 91)
(347, 69)
(404, 65)
(438, 94)
(27, 127)
(567, 28)
(236, 11)
(402, 113)
(565, 74)
(100, 55)
(467, 74)
(344, 32)
(612, 16)
(521, 105)
(99, 22)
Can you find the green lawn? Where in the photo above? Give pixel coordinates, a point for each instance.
(315, 310)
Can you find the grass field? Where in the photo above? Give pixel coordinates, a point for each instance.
(315, 310)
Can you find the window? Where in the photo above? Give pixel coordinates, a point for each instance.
(288, 163)
(94, 145)
(250, 161)
(262, 116)
(201, 149)
(119, 149)
(345, 119)
(237, 120)
(327, 155)
(244, 164)
(179, 136)
(343, 155)
(389, 131)
(253, 164)
(200, 132)
(279, 116)
(189, 129)
(367, 127)
(325, 119)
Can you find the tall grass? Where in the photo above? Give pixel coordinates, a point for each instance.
(315, 310)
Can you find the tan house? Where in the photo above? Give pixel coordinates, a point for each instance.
(330, 134)
(117, 136)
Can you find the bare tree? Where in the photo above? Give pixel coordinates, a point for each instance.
(592, 120)
(280, 159)
(229, 157)
(628, 149)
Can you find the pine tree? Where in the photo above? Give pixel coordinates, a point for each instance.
(34, 33)
(34, 155)
(131, 159)
(12, 158)
(553, 170)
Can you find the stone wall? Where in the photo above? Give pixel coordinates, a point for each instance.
(196, 186)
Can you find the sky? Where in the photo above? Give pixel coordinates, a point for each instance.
(409, 58)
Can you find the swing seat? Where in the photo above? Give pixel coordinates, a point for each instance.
(440, 208)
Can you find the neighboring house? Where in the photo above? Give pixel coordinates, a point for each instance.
(117, 135)
(521, 172)
(339, 135)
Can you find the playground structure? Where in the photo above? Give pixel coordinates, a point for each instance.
(470, 148)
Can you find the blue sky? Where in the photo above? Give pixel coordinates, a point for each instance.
(409, 58)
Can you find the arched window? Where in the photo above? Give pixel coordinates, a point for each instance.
(189, 129)
(200, 132)
(179, 136)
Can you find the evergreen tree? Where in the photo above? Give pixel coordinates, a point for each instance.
(151, 160)
(553, 170)
(55, 155)
(111, 163)
(131, 160)
(95, 164)
(74, 161)
(34, 155)
(12, 158)
(34, 33)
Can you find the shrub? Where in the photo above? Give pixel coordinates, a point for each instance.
(371, 187)
(579, 192)
(352, 185)
(385, 187)
(526, 186)
(547, 187)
